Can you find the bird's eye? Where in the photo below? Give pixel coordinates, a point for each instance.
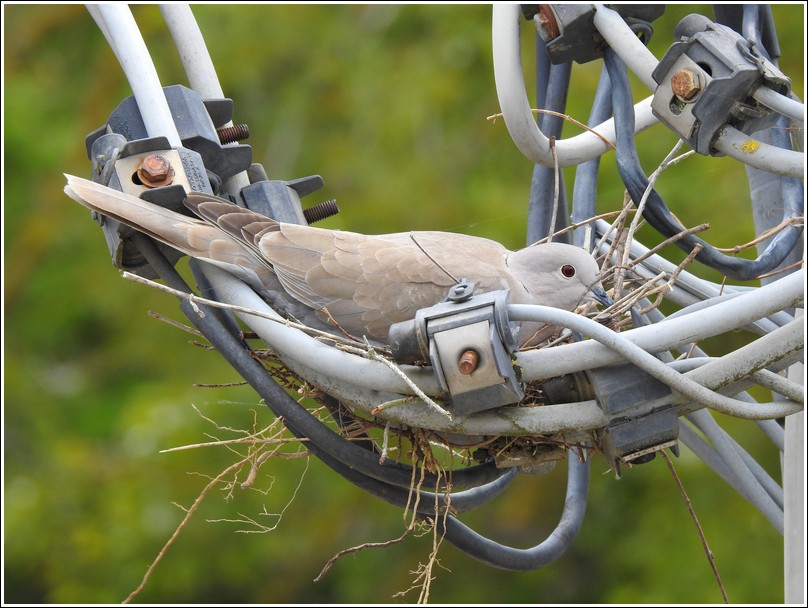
(568, 271)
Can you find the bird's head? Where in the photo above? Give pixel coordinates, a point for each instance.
(558, 275)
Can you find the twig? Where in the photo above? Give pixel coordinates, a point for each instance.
(371, 354)
(494, 117)
(666, 162)
(336, 324)
(252, 439)
(189, 513)
(424, 578)
(219, 384)
(616, 226)
(781, 270)
(261, 528)
(764, 235)
(385, 443)
(361, 547)
(695, 519)
(664, 289)
(177, 324)
(628, 300)
(572, 227)
(193, 299)
(690, 257)
(676, 237)
(620, 247)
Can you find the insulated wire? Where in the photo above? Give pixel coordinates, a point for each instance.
(657, 213)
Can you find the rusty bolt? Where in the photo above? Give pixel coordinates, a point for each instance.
(607, 320)
(321, 211)
(155, 171)
(687, 84)
(468, 362)
(230, 135)
(546, 23)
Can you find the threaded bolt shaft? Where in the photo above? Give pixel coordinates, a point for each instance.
(321, 211)
(231, 135)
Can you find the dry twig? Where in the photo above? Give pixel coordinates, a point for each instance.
(358, 548)
(695, 519)
(188, 514)
(567, 117)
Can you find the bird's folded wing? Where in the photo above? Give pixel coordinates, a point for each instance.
(366, 283)
(361, 283)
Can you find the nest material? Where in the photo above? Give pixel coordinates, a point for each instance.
(531, 454)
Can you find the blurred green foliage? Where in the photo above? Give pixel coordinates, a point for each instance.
(389, 104)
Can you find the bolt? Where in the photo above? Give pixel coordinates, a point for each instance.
(687, 84)
(468, 362)
(320, 211)
(546, 23)
(231, 135)
(607, 320)
(155, 171)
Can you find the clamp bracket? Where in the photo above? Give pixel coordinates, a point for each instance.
(469, 341)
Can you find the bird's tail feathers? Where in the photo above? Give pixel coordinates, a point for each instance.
(153, 220)
(194, 237)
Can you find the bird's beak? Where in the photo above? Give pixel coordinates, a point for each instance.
(599, 295)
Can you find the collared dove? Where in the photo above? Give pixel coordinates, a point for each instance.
(361, 283)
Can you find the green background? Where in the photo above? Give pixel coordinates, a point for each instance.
(389, 105)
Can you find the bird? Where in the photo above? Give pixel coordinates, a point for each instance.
(354, 283)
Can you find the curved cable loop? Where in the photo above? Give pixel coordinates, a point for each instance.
(697, 358)
(655, 210)
(729, 460)
(789, 338)
(729, 315)
(513, 100)
(535, 145)
(551, 93)
(768, 378)
(466, 539)
(763, 377)
(510, 558)
(770, 428)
